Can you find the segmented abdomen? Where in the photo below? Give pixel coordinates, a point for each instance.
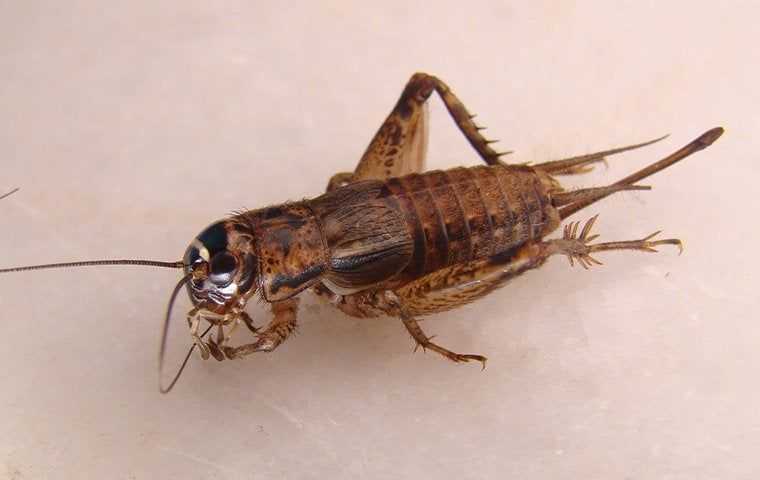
(465, 214)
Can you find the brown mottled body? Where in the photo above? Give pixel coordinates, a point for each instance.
(289, 246)
(391, 238)
(384, 234)
(396, 240)
(466, 214)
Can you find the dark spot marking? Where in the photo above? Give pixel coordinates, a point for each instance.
(295, 281)
(503, 257)
(272, 212)
(403, 107)
(283, 237)
(294, 221)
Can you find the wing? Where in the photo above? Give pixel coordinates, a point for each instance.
(366, 235)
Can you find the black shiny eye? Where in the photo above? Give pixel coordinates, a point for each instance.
(223, 267)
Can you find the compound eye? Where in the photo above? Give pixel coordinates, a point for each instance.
(223, 267)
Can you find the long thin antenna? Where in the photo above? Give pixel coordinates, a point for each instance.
(165, 333)
(91, 263)
(182, 366)
(9, 193)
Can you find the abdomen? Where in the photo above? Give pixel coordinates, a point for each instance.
(466, 214)
(385, 233)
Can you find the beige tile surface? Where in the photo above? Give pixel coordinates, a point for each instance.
(130, 127)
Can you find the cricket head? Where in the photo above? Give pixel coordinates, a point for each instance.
(220, 271)
(221, 274)
(221, 266)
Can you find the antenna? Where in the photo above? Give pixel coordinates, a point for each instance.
(92, 263)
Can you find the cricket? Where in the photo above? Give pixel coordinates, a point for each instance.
(392, 239)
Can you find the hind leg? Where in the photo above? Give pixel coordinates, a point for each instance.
(399, 146)
(458, 285)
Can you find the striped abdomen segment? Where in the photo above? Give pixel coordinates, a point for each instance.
(464, 214)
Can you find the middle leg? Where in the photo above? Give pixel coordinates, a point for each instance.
(414, 329)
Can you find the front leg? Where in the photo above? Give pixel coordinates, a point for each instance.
(279, 329)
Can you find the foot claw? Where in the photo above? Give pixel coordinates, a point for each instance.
(465, 358)
(647, 245)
